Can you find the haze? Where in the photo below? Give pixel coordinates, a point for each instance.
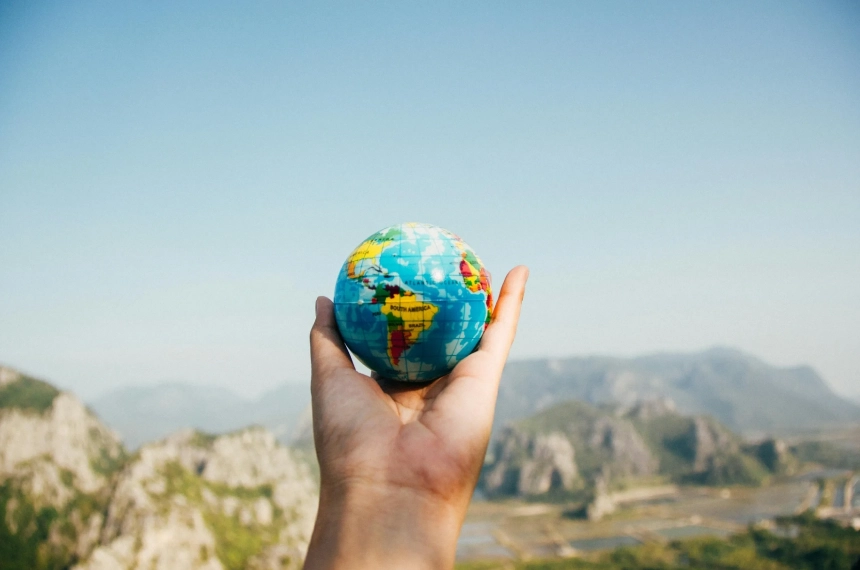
(179, 181)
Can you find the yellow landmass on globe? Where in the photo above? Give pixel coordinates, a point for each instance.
(367, 250)
(408, 317)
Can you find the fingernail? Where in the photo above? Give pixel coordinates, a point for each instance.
(317, 307)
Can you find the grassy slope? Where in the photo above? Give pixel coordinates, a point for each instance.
(28, 394)
(818, 545)
(667, 437)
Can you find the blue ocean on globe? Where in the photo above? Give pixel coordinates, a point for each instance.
(411, 301)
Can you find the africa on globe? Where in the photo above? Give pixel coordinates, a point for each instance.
(411, 301)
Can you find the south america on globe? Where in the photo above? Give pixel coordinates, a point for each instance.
(411, 301)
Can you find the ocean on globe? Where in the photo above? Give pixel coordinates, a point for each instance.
(412, 301)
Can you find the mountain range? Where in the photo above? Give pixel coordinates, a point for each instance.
(742, 392)
(146, 413)
(739, 390)
(72, 495)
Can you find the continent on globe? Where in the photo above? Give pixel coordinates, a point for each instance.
(476, 279)
(408, 316)
(412, 300)
(367, 254)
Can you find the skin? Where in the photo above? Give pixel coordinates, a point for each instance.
(398, 461)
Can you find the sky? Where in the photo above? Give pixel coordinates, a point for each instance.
(179, 181)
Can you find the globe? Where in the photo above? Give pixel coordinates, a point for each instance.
(411, 301)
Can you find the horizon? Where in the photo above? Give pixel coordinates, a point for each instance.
(852, 396)
(179, 183)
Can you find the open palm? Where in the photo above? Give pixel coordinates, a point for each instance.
(428, 439)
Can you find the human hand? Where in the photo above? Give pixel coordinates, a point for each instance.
(399, 461)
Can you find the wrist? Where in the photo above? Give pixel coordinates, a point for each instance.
(375, 526)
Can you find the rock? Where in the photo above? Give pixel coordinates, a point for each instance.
(56, 464)
(603, 503)
(629, 453)
(707, 441)
(650, 409)
(7, 375)
(71, 497)
(194, 501)
(774, 455)
(532, 465)
(73, 439)
(550, 465)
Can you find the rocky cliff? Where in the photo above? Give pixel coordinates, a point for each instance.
(574, 446)
(71, 497)
(194, 501)
(56, 466)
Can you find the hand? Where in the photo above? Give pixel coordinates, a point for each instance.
(399, 461)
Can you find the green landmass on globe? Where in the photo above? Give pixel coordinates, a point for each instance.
(412, 300)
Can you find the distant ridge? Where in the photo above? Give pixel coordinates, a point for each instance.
(738, 389)
(741, 391)
(141, 414)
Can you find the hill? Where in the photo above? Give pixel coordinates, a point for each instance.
(739, 390)
(72, 497)
(575, 446)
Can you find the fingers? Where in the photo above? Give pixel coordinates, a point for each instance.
(467, 397)
(499, 336)
(328, 352)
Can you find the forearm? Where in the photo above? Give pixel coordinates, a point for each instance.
(384, 528)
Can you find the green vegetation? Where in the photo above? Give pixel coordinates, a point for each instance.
(28, 394)
(798, 543)
(203, 439)
(827, 454)
(729, 469)
(24, 533)
(674, 440)
(575, 419)
(43, 538)
(106, 464)
(668, 437)
(235, 542)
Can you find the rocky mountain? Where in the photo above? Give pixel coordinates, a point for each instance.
(739, 390)
(141, 414)
(234, 501)
(70, 495)
(56, 467)
(575, 446)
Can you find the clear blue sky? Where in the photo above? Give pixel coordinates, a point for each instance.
(178, 181)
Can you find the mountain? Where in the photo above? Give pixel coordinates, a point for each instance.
(739, 390)
(142, 414)
(576, 446)
(234, 501)
(56, 467)
(72, 497)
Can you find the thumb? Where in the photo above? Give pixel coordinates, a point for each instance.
(328, 353)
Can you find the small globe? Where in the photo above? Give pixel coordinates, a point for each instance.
(412, 301)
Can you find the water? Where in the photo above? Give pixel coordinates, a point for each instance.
(839, 497)
(823, 474)
(679, 532)
(477, 541)
(605, 543)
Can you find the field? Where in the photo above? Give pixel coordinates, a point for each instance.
(511, 533)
